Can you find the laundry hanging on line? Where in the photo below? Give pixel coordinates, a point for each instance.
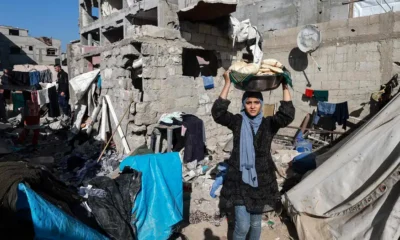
(319, 95)
(338, 111)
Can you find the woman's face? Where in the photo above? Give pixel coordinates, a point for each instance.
(252, 106)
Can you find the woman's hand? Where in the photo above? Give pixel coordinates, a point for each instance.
(225, 90)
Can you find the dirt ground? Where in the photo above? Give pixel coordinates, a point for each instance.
(207, 231)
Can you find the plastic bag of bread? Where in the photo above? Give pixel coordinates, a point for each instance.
(272, 62)
(245, 68)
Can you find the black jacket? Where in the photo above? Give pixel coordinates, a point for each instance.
(63, 85)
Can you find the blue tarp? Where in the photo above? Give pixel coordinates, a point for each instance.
(159, 204)
(50, 222)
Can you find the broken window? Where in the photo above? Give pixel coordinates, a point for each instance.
(13, 32)
(30, 48)
(109, 7)
(114, 35)
(51, 51)
(197, 63)
(15, 50)
(141, 18)
(89, 12)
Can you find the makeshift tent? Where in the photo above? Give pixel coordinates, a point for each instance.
(354, 194)
(159, 204)
(50, 222)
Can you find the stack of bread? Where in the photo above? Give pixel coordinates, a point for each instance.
(245, 68)
(270, 67)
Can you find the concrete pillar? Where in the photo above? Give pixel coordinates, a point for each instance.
(90, 39)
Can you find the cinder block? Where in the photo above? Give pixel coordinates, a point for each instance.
(335, 24)
(358, 21)
(374, 29)
(198, 37)
(212, 40)
(171, 34)
(187, 36)
(330, 85)
(222, 42)
(149, 49)
(205, 28)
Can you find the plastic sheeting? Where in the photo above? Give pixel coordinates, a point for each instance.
(371, 7)
(50, 222)
(159, 205)
(355, 193)
(80, 84)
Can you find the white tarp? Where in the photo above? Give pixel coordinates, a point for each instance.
(80, 84)
(355, 193)
(371, 7)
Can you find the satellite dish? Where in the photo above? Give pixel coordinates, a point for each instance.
(309, 39)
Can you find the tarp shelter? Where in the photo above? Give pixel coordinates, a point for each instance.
(354, 193)
(159, 204)
(80, 84)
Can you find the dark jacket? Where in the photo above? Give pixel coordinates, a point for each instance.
(234, 191)
(194, 138)
(63, 84)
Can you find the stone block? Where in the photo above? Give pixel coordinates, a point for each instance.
(111, 62)
(217, 32)
(150, 96)
(123, 83)
(189, 27)
(346, 84)
(133, 128)
(187, 36)
(335, 24)
(373, 19)
(107, 73)
(330, 85)
(212, 40)
(116, 51)
(146, 118)
(368, 66)
(129, 50)
(358, 21)
(142, 107)
(223, 42)
(107, 54)
(135, 141)
(171, 34)
(374, 29)
(162, 73)
(149, 49)
(149, 72)
(204, 28)
(198, 37)
(150, 129)
(153, 31)
(174, 50)
(123, 61)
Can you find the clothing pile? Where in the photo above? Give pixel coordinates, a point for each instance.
(339, 112)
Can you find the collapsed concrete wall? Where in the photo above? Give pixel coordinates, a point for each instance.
(281, 14)
(356, 56)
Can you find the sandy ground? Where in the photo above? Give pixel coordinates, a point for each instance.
(207, 231)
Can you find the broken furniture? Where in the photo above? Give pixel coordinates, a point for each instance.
(156, 137)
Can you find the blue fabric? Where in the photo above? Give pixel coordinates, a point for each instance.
(247, 152)
(245, 222)
(99, 82)
(222, 168)
(50, 222)
(208, 82)
(159, 204)
(34, 78)
(324, 109)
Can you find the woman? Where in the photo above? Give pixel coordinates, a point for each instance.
(250, 184)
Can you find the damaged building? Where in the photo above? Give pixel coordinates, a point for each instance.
(175, 43)
(17, 47)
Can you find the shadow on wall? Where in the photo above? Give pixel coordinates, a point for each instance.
(12, 54)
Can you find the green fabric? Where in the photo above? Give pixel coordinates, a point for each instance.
(18, 101)
(287, 77)
(321, 95)
(237, 77)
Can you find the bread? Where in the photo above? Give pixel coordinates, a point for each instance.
(273, 63)
(245, 68)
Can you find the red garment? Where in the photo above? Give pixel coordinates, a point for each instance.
(309, 93)
(30, 121)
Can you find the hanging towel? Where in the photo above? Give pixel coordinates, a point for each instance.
(18, 101)
(43, 96)
(321, 95)
(208, 82)
(269, 110)
(341, 114)
(309, 93)
(34, 78)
